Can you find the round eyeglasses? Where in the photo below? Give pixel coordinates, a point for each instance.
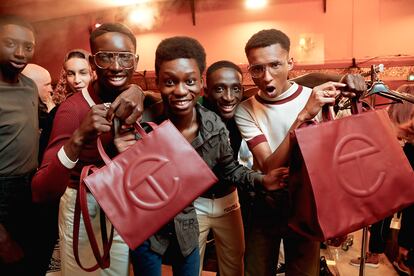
(104, 59)
(258, 70)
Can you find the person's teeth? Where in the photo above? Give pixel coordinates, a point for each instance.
(227, 107)
(117, 78)
(181, 102)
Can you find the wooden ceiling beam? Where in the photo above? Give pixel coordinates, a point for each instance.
(193, 15)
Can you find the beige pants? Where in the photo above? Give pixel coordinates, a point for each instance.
(69, 267)
(229, 241)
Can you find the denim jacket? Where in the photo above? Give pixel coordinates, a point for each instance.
(212, 144)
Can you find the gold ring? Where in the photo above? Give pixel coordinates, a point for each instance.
(326, 93)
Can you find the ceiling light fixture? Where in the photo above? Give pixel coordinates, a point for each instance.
(129, 2)
(143, 17)
(255, 4)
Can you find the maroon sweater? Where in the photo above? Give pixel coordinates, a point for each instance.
(52, 178)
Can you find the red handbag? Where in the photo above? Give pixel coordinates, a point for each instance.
(346, 174)
(144, 187)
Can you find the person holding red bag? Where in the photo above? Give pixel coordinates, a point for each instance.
(179, 64)
(78, 122)
(265, 122)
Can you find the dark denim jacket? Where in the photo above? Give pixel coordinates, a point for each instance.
(212, 143)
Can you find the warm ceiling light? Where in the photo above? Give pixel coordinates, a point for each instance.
(255, 4)
(129, 2)
(143, 17)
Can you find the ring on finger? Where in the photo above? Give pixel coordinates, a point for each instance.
(326, 93)
(107, 106)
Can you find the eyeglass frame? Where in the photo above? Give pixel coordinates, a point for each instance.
(265, 65)
(115, 57)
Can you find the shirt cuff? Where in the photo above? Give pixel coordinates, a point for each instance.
(64, 159)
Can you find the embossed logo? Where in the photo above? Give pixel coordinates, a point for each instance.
(353, 152)
(146, 184)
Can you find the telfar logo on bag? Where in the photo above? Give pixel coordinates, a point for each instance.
(150, 172)
(355, 152)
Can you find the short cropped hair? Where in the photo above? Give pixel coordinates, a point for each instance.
(180, 47)
(111, 28)
(77, 53)
(221, 64)
(265, 38)
(404, 112)
(15, 20)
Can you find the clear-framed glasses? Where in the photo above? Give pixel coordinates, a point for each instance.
(258, 70)
(104, 59)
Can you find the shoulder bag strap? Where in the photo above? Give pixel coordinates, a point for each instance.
(81, 207)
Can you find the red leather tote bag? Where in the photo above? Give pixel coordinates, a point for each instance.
(144, 187)
(346, 174)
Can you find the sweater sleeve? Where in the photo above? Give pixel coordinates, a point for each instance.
(51, 179)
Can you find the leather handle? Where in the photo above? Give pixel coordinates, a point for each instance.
(137, 127)
(102, 152)
(81, 207)
(326, 113)
(356, 106)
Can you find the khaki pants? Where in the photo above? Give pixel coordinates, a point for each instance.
(229, 241)
(119, 250)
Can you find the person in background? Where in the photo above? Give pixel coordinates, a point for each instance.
(78, 121)
(405, 235)
(47, 213)
(47, 107)
(75, 75)
(379, 231)
(43, 80)
(402, 115)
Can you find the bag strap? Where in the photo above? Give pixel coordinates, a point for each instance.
(138, 128)
(356, 106)
(81, 206)
(326, 113)
(104, 260)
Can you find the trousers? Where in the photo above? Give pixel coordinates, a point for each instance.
(32, 226)
(229, 241)
(148, 263)
(119, 250)
(264, 232)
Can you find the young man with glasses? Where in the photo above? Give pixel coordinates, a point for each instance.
(72, 145)
(265, 121)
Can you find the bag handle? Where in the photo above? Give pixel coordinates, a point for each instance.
(356, 108)
(326, 113)
(138, 127)
(81, 206)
